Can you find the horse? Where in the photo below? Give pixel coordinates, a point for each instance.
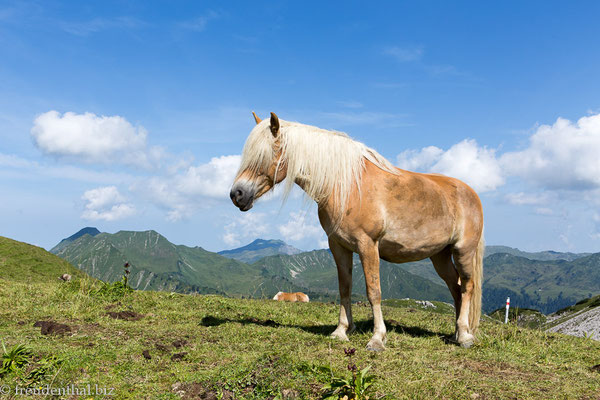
(368, 206)
(293, 297)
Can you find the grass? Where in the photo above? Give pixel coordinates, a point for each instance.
(203, 346)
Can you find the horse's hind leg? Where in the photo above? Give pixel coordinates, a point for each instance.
(343, 260)
(468, 261)
(447, 271)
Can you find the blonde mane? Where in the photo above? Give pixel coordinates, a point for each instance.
(325, 162)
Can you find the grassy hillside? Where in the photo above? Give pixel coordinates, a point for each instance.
(173, 346)
(22, 262)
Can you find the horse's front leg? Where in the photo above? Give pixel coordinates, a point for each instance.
(369, 257)
(343, 260)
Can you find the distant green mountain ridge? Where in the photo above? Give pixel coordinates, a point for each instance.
(157, 264)
(258, 249)
(547, 255)
(317, 270)
(65, 242)
(556, 281)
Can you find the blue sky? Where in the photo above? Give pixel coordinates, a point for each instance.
(132, 115)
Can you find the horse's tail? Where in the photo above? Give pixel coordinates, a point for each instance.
(475, 305)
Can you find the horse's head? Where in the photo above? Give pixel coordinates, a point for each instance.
(262, 166)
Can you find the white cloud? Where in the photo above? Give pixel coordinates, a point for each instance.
(249, 226)
(106, 203)
(419, 160)
(184, 192)
(86, 28)
(527, 198)
(404, 54)
(565, 155)
(93, 139)
(475, 165)
(199, 24)
(298, 228)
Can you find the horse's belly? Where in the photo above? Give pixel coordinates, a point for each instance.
(400, 251)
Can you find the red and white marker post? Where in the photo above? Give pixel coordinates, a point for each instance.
(507, 307)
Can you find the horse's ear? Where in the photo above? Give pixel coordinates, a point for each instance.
(274, 125)
(256, 118)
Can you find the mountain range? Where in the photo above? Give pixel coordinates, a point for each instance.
(258, 249)
(546, 281)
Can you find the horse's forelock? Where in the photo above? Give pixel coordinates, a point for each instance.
(258, 152)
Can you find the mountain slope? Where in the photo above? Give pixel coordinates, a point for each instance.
(258, 249)
(543, 285)
(157, 264)
(548, 255)
(22, 262)
(317, 270)
(65, 242)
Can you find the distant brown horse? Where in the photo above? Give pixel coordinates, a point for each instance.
(293, 297)
(368, 206)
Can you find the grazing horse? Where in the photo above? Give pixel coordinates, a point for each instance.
(293, 297)
(368, 206)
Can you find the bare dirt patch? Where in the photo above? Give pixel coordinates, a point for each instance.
(52, 328)
(179, 356)
(179, 343)
(126, 315)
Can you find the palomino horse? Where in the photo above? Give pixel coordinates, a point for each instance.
(369, 207)
(293, 297)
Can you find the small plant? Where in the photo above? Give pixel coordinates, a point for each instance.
(353, 388)
(118, 289)
(14, 359)
(43, 370)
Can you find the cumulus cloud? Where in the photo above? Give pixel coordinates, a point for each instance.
(299, 227)
(92, 139)
(106, 203)
(564, 155)
(183, 192)
(475, 165)
(245, 226)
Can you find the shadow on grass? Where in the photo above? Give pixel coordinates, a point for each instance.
(326, 330)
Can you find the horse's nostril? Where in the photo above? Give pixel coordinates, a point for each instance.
(236, 194)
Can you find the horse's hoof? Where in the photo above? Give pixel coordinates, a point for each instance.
(466, 340)
(340, 336)
(375, 345)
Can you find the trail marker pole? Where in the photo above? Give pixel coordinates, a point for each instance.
(507, 307)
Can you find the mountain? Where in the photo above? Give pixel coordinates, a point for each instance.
(65, 242)
(157, 264)
(548, 255)
(22, 262)
(258, 249)
(316, 270)
(543, 285)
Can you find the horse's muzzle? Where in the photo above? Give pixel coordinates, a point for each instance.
(242, 198)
